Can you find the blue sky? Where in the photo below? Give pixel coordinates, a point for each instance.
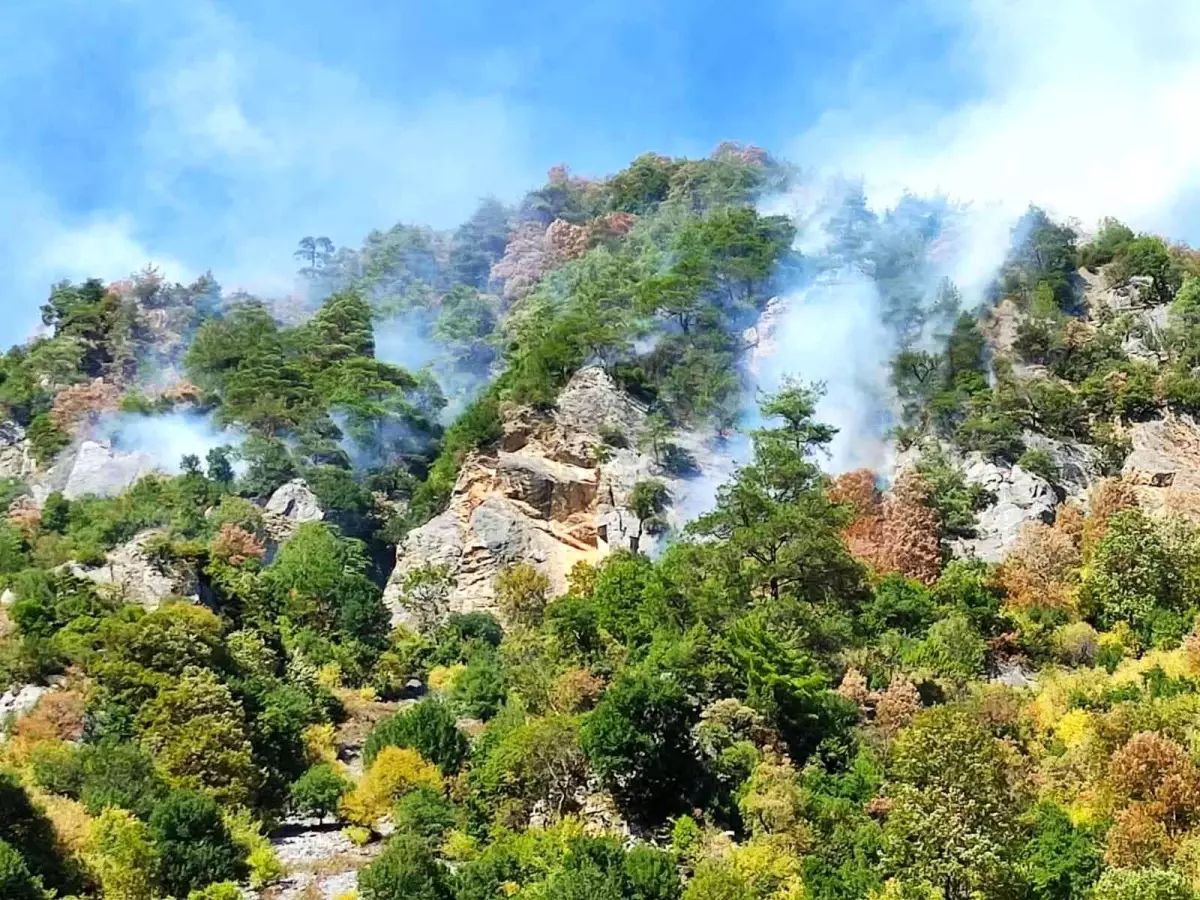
(206, 134)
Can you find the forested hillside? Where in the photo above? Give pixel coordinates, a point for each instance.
(495, 566)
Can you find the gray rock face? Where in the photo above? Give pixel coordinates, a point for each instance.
(1021, 497)
(591, 402)
(98, 469)
(1078, 464)
(1164, 466)
(1164, 453)
(16, 459)
(295, 501)
(1098, 292)
(496, 534)
(136, 577)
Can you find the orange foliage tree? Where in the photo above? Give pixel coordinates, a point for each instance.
(1040, 566)
(235, 545)
(897, 532)
(1108, 497)
(89, 401)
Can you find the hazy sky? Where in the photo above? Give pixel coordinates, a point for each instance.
(203, 134)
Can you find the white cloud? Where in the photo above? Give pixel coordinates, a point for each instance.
(1085, 110)
(292, 147)
(240, 148)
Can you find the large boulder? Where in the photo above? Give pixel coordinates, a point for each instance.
(135, 575)
(295, 501)
(1021, 497)
(290, 506)
(97, 468)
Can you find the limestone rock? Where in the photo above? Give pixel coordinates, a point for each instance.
(1097, 293)
(16, 458)
(591, 402)
(321, 862)
(97, 468)
(1078, 464)
(496, 533)
(132, 573)
(1164, 465)
(1013, 673)
(1000, 326)
(1164, 453)
(556, 490)
(555, 494)
(295, 501)
(1021, 497)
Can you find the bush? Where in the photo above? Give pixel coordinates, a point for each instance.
(317, 791)
(195, 846)
(46, 439)
(393, 772)
(123, 855)
(425, 813)
(225, 890)
(429, 728)
(480, 690)
(120, 775)
(1040, 463)
(1142, 884)
(521, 593)
(405, 870)
(58, 767)
(16, 882)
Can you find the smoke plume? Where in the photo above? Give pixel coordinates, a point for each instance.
(168, 437)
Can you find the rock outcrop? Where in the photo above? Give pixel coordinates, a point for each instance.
(134, 575)
(1021, 497)
(93, 467)
(291, 505)
(296, 502)
(1164, 465)
(17, 701)
(16, 458)
(1017, 497)
(554, 494)
(1079, 465)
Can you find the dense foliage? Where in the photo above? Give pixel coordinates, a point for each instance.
(794, 700)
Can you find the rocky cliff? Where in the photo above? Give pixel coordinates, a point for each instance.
(555, 493)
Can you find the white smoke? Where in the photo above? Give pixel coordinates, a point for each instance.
(1083, 113)
(168, 437)
(832, 332)
(1080, 106)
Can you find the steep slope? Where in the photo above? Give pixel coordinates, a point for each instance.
(557, 491)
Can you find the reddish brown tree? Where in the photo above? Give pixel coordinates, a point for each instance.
(85, 402)
(897, 532)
